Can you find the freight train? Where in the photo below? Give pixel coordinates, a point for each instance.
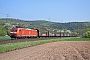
(34, 33)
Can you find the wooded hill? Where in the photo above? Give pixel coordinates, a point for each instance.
(42, 24)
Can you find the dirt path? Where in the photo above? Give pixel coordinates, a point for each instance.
(78, 50)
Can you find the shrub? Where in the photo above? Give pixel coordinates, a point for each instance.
(86, 34)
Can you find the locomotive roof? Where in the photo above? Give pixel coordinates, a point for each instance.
(28, 29)
(24, 28)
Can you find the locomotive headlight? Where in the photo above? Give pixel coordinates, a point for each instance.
(12, 32)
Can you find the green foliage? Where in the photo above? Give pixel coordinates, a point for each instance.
(42, 24)
(87, 29)
(86, 34)
(4, 31)
(5, 38)
(4, 28)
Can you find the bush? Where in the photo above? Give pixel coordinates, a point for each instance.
(86, 34)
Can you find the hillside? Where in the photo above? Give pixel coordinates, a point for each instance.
(42, 24)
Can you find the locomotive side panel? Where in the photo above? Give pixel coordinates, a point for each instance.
(29, 33)
(33, 33)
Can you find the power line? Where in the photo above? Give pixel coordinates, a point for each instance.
(2, 13)
(15, 12)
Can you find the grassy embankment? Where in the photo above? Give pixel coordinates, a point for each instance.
(5, 38)
(14, 46)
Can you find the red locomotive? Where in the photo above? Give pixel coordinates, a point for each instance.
(23, 33)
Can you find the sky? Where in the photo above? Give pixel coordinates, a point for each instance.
(50, 10)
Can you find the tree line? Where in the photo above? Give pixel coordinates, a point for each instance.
(7, 23)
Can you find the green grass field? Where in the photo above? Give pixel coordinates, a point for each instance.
(75, 39)
(14, 46)
(5, 38)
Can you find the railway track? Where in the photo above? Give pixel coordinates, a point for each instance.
(23, 40)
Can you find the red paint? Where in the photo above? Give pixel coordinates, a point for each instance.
(20, 32)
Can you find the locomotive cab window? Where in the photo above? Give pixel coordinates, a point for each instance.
(15, 30)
